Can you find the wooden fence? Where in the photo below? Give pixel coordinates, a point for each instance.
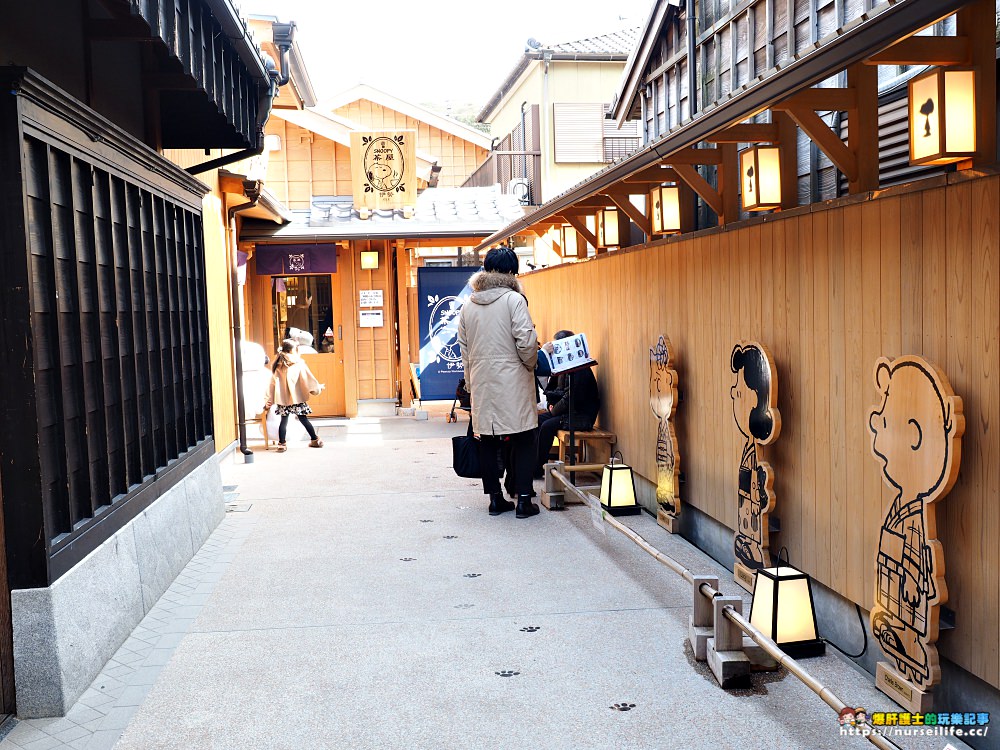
(828, 288)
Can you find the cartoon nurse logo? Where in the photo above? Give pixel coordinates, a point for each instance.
(917, 438)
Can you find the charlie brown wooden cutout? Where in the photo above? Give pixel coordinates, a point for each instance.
(917, 438)
(755, 407)
(663, 402)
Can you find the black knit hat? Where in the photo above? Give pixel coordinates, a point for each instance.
(501, 260)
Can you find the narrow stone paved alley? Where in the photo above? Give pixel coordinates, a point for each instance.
(359, 596)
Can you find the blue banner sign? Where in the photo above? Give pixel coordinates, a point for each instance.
(441, 292)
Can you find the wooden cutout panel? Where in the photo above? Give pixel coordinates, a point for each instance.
(663, 402)
(755, 409)
(916, 434)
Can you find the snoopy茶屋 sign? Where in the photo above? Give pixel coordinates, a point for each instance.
(383, 169)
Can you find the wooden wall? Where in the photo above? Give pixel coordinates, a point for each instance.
(457, 157)
(828, 289)
(306, 165)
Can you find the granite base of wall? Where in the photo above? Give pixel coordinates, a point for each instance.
(837, 618)
(66, 633)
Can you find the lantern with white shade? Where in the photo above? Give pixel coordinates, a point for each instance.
(783, 610)
(943, 116)
(760, 178)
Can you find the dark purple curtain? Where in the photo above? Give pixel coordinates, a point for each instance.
(290, 260)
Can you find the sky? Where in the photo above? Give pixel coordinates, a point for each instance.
(435, 51)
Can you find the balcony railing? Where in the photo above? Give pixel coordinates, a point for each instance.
(517, 172)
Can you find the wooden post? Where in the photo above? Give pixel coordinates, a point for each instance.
(688, 207)
(788, 143)
(403, 319)
(702, 623)
(863, 127)
(729, 181)
(977, 21)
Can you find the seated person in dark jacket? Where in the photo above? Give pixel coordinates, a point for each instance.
(586, 404)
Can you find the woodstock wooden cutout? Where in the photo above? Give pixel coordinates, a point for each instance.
(917, 438)
(755, 408)
(663, 402)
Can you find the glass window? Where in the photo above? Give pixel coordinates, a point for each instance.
(303, 309)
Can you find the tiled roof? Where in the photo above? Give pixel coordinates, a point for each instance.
(617, 43)
(439, 212)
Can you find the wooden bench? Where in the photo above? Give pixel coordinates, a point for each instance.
(594, 445)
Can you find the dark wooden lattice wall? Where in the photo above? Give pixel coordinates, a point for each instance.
(105, 316)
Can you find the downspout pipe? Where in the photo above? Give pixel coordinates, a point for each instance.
(251, 189)
(284, 35)
(692, 41)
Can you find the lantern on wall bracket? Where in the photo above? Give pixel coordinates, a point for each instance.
(369, 260)
(760, 178)
(608, 227)
(569, 240)
(943, 116)
(665, 209)
(782, 609)
(618, 488)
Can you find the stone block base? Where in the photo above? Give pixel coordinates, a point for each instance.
(901, 690)
(64, 634)
(731, 668)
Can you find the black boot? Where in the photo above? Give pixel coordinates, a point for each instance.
(498, 505)
(525, 508)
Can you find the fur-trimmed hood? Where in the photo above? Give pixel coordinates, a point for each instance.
(489, 286)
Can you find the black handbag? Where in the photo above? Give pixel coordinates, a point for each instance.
(465, 455)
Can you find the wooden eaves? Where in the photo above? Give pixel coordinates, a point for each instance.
(864, 37)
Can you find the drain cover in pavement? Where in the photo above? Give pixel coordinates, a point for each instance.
(530, 629)
(622, 707)
(506, 673)
(238, 507)
(472, 575)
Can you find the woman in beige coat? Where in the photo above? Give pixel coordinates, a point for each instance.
(292, 383)
(499, 351)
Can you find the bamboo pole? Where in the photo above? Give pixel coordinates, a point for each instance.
(828, 696)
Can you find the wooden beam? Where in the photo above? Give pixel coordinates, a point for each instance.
(695, 156)
(652, 176)
(925, 50)
(977, 21)
(862, 134)
(581, 226)
(747, 132)
(828, 141)
(700, 185)
(833, 100)
(543, 234)
(621, 199)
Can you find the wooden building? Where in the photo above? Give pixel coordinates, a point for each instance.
(110, 482)
(829, 287)
(362, 295)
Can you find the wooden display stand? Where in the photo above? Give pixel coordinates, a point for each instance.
(755, 408)
(663, 398)
(901, 690)
(744, 576)
(916, 434)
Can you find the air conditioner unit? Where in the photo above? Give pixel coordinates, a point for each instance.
(520, 188)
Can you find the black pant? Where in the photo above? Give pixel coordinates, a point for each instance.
(283, 427)
(522, 446)
(548, 426)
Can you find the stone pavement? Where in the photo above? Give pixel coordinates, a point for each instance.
(359, 597)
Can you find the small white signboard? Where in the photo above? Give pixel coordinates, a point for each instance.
(370, 297)
(370, 319)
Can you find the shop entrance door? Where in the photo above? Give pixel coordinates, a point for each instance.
(308, 308)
